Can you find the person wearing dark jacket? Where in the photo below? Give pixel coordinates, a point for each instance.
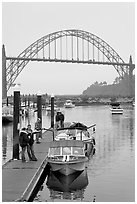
(57, 118)
(23, 140)
(61, 120)
(30, 147)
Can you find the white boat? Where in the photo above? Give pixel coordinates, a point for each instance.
(48, 109)
(66, 156)
(69, 104)
(7, 114)
(115, 108)
(133, 103)
(78, 131)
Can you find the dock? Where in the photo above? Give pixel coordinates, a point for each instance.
(19, 179)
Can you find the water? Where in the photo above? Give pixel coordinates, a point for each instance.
(110, 173)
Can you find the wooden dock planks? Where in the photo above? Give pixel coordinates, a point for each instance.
(18, 177)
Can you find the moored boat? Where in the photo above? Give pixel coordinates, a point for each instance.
(69, 104)
(78, 131)
(133, 103)
(7, 114)
(115, 108)
(66, 156)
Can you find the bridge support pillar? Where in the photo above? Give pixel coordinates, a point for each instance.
(4, 81)
(131, 68)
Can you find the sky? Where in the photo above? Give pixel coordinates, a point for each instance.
(23, 23)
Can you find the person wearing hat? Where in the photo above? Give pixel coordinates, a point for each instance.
(38, 129)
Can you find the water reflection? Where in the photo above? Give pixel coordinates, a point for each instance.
(7, 141)
(120, 133)
(67, 187)
(111, 172)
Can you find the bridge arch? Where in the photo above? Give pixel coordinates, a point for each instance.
(16, 65)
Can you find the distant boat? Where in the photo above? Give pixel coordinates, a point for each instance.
(115, 108)
(7, 114)
(133, 103)
(69, 104)
(67, 156)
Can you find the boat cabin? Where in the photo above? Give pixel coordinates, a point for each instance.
(115, 105)
(61, 149)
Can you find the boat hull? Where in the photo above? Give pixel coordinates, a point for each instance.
(67, 168)
(7, 118)
(69, 106)
(116, 111)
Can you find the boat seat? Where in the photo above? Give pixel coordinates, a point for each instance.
(64, 158)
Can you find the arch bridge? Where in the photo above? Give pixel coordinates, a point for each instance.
(66, 46)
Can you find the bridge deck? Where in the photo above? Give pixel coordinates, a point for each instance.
(18, 179)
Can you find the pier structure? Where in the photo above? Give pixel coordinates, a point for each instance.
(65, 46)
(20, 180)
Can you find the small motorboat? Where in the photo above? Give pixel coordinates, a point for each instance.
(48, 109)
(115, 108)
(67, 156)
(7, 114)
(133, 103)
(69, 104)
(78, 131)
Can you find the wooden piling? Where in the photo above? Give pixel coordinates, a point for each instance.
(16, 113)
(7, 102)
(39, 109)
(52, 111)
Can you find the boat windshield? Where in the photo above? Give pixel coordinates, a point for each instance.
(71, 132)
(54, 151)
(66, 151)
(78, 151)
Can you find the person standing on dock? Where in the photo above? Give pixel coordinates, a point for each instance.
(38, 129)
(57, 118)
(62, 120)
(30, 147)
(24, 141)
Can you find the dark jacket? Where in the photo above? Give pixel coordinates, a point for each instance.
(57, 117)
(61, 117)
(23, 138)
(31, 137)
